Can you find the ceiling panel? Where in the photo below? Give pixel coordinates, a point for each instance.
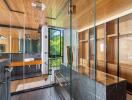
(57, 12)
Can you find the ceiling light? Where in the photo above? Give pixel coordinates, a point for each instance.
(38, 5)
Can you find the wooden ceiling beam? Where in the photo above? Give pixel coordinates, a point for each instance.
(18, 27)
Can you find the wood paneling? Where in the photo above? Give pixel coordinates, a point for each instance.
(56, 9)
(125, 25)
(32, 17)
(104, 9)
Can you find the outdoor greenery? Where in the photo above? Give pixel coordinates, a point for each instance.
(55, 45)
(55, 48)
(55, 62)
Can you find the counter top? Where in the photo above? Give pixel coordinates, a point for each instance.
(21, 63)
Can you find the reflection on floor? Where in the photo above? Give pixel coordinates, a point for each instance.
(43, 94)
(85, 70)
(31, 83)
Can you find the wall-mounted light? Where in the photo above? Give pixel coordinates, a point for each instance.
(38, 5)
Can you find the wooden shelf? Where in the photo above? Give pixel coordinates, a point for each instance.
(111, 35)
(83, 40)
(100, 39)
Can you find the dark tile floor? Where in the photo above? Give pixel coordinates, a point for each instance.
(43, 94)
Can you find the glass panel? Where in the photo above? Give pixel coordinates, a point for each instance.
(64, 74)
(84, 76)
(32, 60)
(109, 75)
(5, 56)
(125, 50)
(32, 69)
(17, 54)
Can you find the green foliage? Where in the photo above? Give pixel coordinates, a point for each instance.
(55, 62)
(55, 45)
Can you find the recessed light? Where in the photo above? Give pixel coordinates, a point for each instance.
(38, 5)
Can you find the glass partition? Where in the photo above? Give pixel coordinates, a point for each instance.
(109, 29)
(84, 78)
(125, 50)
(66, 53)
(4, 62)
(80, 47)
(17, 53)
(25, 51)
